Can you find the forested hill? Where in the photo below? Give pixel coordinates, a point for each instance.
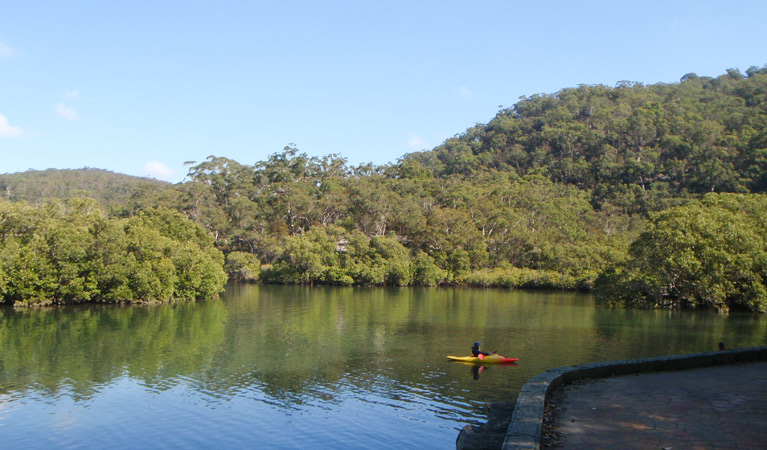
(567, 190)
(109, 188)
(631, 146)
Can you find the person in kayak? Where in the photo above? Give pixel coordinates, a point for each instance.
(476, 351)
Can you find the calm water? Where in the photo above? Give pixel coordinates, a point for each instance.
(288, 367)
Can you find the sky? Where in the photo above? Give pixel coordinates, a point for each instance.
(142, 87)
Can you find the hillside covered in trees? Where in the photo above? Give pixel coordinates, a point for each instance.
(549, 193)
(109, 188)
(633, 147)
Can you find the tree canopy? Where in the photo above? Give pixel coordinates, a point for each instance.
(710, 252)
(71, 252)
(635, 147)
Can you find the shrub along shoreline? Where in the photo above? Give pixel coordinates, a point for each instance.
(71, 252)
(333, 256)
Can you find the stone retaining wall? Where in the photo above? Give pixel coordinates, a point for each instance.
(524, 431)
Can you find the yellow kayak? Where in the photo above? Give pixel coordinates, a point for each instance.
(489, 359)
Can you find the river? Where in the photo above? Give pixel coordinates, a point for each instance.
(309, 367)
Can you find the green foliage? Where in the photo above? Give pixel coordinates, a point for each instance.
(242, 266)
(332, 256)
(113, 191)
(550, 192)
(636, 147)
(711, 252)
(425, 270)
(312, 220)
(515, 277)
(71, 252)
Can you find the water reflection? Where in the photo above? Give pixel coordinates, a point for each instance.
(85, 347)
(340, 364)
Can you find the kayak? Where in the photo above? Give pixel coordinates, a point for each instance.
(489, 359)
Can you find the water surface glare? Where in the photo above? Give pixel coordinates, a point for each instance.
(301, 367)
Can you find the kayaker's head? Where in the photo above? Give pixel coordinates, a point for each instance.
(477, 344)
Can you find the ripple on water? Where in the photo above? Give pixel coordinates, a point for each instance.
(129, 412)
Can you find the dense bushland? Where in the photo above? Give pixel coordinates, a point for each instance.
(709, 252)
(70, 252)
(550, 193)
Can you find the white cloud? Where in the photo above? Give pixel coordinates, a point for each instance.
(6, 51)
(8, 130)
(156, 169)
(417, 142)
(73, 95)
(66, 112)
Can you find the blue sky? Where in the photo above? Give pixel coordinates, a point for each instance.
(141, 87)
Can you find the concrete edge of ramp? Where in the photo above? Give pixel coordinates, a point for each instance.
(526, 425)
